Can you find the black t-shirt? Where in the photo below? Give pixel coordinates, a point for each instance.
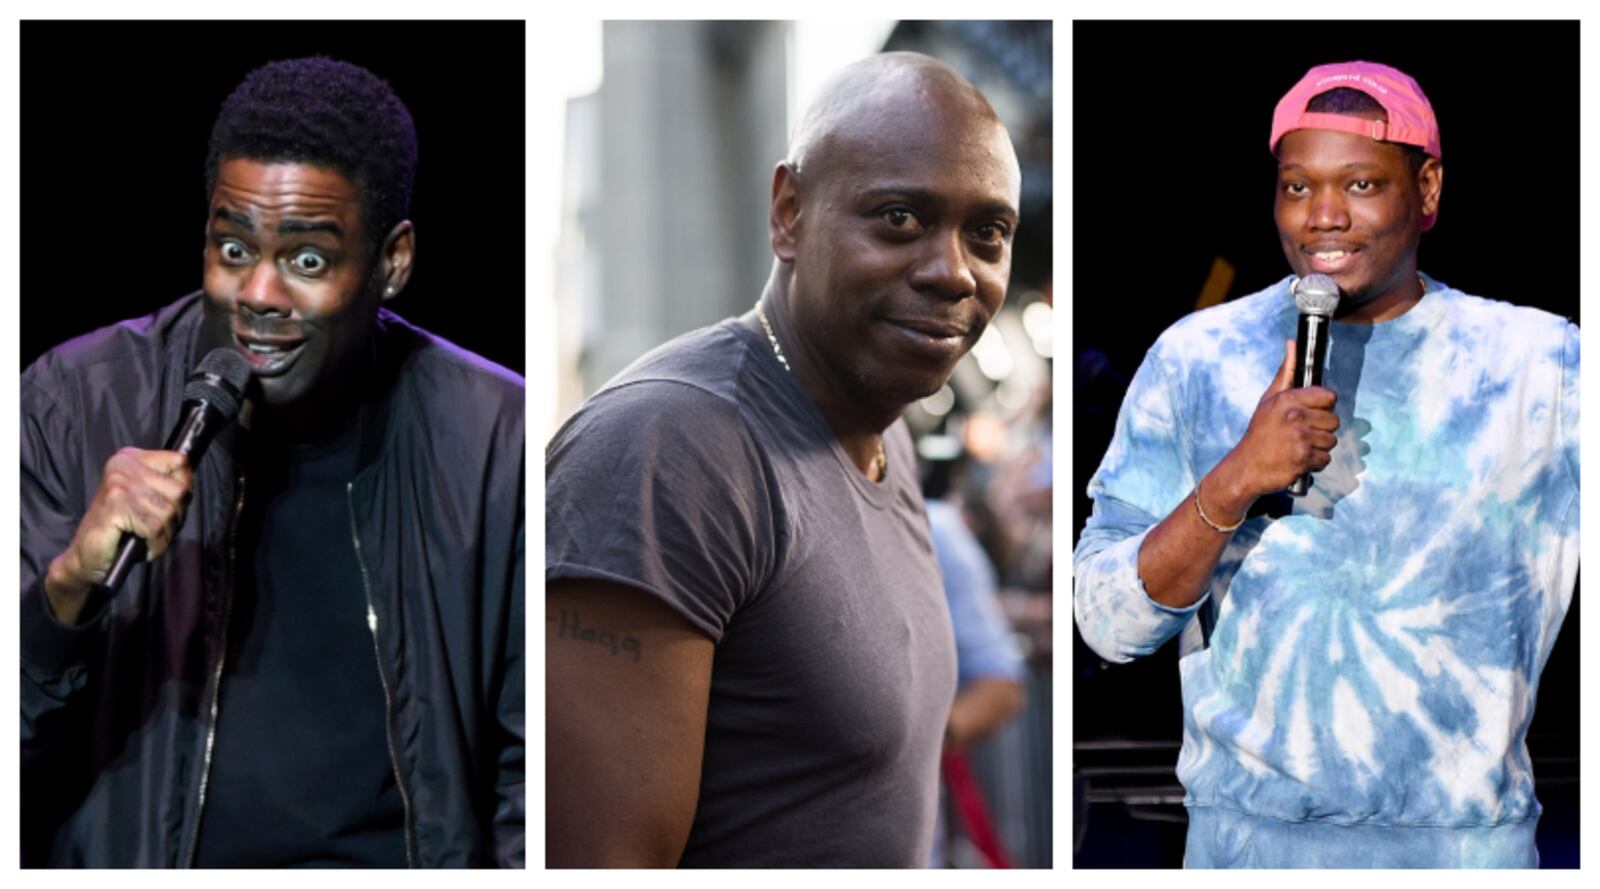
(706, 477)
(301, 773)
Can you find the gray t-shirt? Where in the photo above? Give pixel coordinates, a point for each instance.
(705, 476)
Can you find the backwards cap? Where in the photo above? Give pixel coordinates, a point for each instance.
(1410, 122)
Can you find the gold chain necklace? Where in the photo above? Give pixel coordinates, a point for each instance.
(882, 460)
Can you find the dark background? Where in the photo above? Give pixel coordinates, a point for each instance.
(1171, 169)
(115, 119)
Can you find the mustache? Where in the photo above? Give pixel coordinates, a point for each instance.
(938, 323)
(267, 327)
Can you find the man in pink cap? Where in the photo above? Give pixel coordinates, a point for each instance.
(1360, 663)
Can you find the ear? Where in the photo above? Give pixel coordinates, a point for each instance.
(1430, 183)
(399, 250)
(784, 222)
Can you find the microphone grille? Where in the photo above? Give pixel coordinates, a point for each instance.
(1316, 295)
(219, 379)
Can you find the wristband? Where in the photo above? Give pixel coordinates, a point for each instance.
(1220, 529)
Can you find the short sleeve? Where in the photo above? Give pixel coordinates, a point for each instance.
(659, 485)
(1143, 477)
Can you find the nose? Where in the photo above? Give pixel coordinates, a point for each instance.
(944, 269)
(1329, 212)
(263, 292)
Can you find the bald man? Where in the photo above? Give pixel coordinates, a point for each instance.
(749, 662)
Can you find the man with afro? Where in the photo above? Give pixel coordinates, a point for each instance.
(320, 661)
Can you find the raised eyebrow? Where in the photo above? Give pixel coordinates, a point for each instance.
(301, 226)
(235, 217)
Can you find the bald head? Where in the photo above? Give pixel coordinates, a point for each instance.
(891, 225)
(895, 97)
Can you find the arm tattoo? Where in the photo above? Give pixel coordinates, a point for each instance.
(568, 626)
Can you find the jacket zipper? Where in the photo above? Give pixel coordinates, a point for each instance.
(383, 679)
(216, 673)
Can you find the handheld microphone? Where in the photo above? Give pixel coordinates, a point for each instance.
(1318, 297)
(211, 399)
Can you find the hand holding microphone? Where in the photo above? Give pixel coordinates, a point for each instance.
(139, 503)
(1291, 433)
(1317, 297)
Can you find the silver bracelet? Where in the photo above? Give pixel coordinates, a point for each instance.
(1220, 529)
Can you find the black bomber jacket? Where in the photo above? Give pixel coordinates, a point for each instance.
(117, 712)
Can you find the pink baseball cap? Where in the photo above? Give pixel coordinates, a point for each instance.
(1410, 122)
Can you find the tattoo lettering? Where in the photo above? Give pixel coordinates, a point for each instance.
(568, 626)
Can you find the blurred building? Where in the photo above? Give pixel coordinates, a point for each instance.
(668, 167)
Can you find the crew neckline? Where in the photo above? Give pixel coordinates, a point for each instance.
(1417, 319)
(876, 493)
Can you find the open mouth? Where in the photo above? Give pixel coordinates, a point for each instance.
(1331, 260)
(268, 357)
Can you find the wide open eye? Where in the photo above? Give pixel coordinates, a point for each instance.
(309, 263)
(233, 252)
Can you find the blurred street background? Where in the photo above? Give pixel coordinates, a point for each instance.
(669, 136)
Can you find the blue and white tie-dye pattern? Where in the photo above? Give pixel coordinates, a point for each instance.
(1359, 679)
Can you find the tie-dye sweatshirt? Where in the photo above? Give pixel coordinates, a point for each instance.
(1359, 677)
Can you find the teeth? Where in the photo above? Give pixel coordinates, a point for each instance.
(1330, 256)
(255, 347)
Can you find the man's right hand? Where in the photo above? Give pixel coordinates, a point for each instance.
(143, 492)
(1290, 434)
